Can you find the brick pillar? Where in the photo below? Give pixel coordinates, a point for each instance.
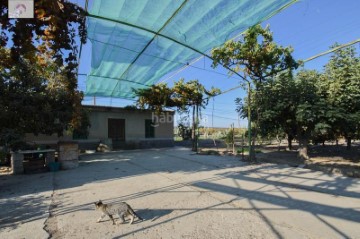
(17, 163)
(68, 155)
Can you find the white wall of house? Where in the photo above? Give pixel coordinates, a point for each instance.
(134, 126)
(134, 123)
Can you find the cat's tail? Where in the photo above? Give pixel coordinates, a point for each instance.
(134, 214)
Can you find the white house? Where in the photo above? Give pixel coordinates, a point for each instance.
(121, 128)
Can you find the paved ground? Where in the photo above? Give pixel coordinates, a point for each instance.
(180, 195)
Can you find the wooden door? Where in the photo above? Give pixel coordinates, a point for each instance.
(116, 129)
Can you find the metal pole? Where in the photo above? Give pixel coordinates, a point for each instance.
(233, 138)
(197, 129)
(249, 121)
(212, 114)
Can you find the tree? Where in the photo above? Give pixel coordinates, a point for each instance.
(182, 96)
(257, 56)
(277, 106)
(50, 34)
(38, 68)
(294, 106)
(37, 99)
(342, 74)
(311, 108)
(157, 97)
(193, 94)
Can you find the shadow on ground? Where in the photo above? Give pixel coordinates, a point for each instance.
(22, 199)
(22, 204)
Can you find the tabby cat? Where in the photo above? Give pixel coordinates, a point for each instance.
(122, 209)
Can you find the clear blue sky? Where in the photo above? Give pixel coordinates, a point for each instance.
(309, 26)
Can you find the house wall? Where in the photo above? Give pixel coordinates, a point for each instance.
(134, 129)
(134, 124)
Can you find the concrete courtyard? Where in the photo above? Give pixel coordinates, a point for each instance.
(180, 195)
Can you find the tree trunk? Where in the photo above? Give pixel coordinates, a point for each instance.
(252, 153)
(303, 148)
(279, 141)
(290, 139)
(348, 143)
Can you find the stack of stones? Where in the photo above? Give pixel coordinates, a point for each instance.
(68, 155)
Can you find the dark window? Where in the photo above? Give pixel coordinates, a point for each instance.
(149, 129)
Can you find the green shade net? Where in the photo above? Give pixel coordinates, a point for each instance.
(136, 42)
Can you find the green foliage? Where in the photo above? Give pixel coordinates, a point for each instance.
(10, 138)
(229, 138)
(342, 84)
(309, 105)
(256, 55)
(157, 97)
(260, 58)
(49, 34)
(82, 129)
(288, 105)
(38, 69)
(183, 96)
(273, 105)
(38, 99)
(3, 157)
(192, 93)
